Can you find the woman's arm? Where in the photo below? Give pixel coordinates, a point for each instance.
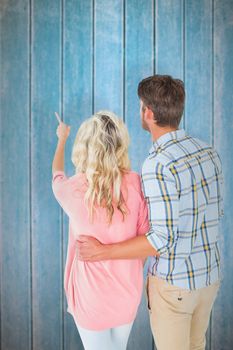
(60, 182)
(63, 131)
(58, 160)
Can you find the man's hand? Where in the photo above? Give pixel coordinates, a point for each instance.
(89, 249)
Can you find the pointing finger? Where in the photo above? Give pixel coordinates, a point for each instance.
(58, 118)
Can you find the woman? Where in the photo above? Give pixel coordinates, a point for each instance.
(103, 200)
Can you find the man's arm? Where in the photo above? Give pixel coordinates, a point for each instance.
(90, 249)
(159, 188)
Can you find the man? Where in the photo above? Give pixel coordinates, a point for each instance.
(182, 182)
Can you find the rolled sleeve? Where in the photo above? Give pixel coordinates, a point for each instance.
(58, 176)
(143, 221)
(61, 189)
(220, 184)
(160, 190)
(221, 201)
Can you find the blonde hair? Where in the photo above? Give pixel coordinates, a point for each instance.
(101, 152)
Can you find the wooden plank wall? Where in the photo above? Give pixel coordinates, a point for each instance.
(77, 57)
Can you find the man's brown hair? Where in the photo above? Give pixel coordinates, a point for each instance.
(165, 96)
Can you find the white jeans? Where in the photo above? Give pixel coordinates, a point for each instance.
(108, 339)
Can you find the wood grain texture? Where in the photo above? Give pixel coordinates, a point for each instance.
(198, 76)
(76, 105)
(222, 319)
(139, 63)
(169, 39)
(46, 233)
(76, 57)
(198, 69)
(15, 182)
(108, 59)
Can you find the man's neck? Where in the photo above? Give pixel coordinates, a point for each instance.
(156, 133)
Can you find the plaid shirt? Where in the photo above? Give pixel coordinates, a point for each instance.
(182, 182)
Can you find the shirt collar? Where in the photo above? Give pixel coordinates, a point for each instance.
(173, 135)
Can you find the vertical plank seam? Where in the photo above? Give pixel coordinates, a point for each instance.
(154, 7)
(155, 37)
(209, 338)
(213, 129)
(154, 52)
(184, 56)
(155, 70)
(123, 59)
(1, 201)
(213, 75)
(30, 175)
(61, 212)
(93, 56)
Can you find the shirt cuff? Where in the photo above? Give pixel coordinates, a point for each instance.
(58, 173)
(156, 242)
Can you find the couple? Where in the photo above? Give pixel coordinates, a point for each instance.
(117, 219)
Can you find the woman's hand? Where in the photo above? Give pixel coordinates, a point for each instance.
(63, 130)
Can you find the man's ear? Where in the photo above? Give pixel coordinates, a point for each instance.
(148, 115)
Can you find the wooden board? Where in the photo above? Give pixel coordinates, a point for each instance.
(77, 57)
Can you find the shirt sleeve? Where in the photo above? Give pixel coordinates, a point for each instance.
(221, 203)
(220, 184)
(143, 220)
(62, 189)
(160, 190)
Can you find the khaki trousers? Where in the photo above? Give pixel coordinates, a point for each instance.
(179, 318)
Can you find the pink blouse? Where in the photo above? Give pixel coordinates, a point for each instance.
(107, 293)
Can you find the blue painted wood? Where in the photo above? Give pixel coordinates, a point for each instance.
(198, 75)
(89, 55)
(169, 37)
(108, 59)
(139, 63)
(222, 335)
(169, 33)
(198, 69)
(76, 106)
(46, 235)
(169, 29)
(15, 183)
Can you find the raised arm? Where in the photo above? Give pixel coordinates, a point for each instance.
(63, 131)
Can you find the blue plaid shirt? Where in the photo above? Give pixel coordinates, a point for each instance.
(182, 183)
